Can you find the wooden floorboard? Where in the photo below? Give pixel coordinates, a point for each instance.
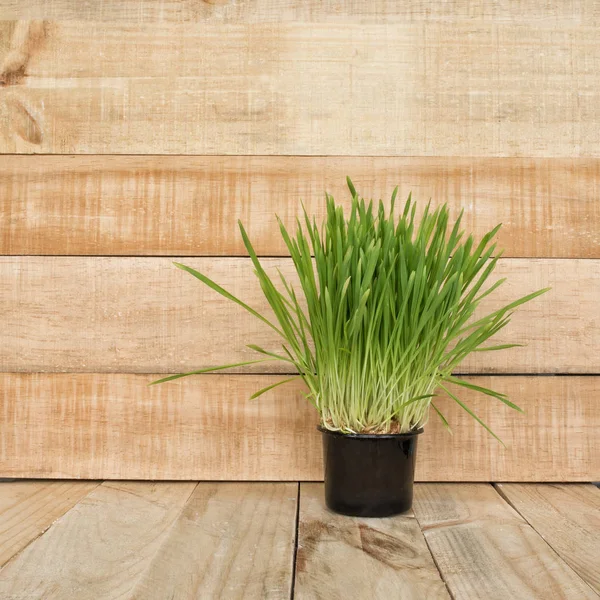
(100, 548)
(567, 517)
(353, 558)
(485, 549)
(231, 541)
(28, 508)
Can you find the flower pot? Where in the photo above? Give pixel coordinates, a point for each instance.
(369, 475)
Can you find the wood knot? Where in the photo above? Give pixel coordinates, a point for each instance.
(23, 122)
(28, 36)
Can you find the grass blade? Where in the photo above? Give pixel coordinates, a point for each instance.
(217, 288)
(208, 370)
(270, 387)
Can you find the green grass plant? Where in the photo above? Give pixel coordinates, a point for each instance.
(385, 315)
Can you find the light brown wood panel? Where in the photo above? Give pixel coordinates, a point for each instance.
(567, 517)
(484, 549)
(349, 557)
(232, 540)
(116, 427)
(101, 547)
(258, 11)
(93, 314)
(174, 205)
(28, 508)
(470, 89)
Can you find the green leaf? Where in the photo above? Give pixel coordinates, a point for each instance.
(417, 398)
(208, 370)
(351, 187)
(468, 410)
(217, 288)
(499, 347)
(270, 387)
(442, 417)
(502, 397)
(266, 352)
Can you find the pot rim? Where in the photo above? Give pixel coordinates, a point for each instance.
(370, 436)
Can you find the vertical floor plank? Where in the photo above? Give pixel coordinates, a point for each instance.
(28, 508)
(347, 557)
(567, 517)
(484, 549)
(98, 549)
(232, 540)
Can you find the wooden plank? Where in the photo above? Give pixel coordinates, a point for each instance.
(55, 425)
(101, 547)
(28, 508)
(143, 315)
(267, 11)
(173, 205)
(400, 89)
(567, 517)
(484, 549)
(232, 540)
(350, 557)
(119, 426)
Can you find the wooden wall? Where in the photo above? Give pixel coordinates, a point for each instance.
(133, 132)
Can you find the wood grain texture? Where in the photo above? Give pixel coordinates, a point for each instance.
(399, 89)
(143, 315)
(100, 548)
(116, 427)
(350, 558)
(567, 517)
(232, 540)
(173, 205)
(28, 508)
(272, 11)
(484, 549)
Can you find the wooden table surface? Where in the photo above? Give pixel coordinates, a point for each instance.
(179, 540)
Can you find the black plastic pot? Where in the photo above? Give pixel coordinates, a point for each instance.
(369, 475)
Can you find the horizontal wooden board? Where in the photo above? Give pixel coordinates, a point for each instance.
(143, 315)
(174, 205)
(273, 11)
(116, 427)
(401, 89)
(101, 548)
(343, 557)
(484, 549)
(567, 517)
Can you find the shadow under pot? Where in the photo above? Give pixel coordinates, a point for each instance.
(369, 475)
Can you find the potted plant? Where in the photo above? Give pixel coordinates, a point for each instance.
(384, 317)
